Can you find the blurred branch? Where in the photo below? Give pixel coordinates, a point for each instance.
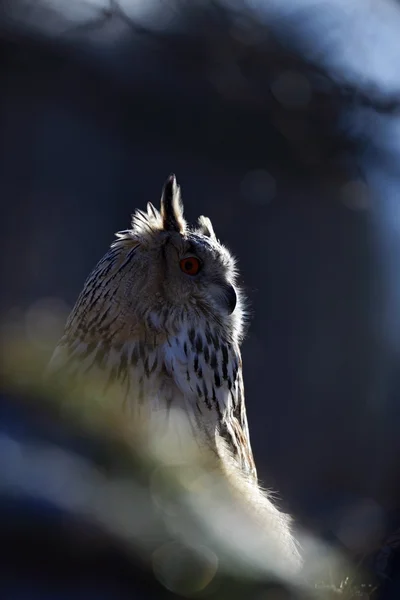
(223, 58)
(239, 35)
(174, 514)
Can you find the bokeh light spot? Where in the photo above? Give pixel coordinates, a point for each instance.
(45, 321)
(258, 187)
(292, 90)
(184, 570)
(355, 195)
(362, 525)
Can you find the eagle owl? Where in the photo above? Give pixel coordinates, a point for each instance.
(162, 316)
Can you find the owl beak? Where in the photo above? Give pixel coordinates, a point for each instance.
(230, 298)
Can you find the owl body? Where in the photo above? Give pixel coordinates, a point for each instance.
(161, 318)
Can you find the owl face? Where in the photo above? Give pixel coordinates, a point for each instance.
(194, 271)
(177, 268)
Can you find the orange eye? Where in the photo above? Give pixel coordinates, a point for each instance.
(190, 265)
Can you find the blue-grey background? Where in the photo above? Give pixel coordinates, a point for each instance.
(280, 123)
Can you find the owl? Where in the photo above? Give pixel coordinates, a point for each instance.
(162, 316)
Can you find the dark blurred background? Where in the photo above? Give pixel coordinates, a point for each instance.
(280, 121)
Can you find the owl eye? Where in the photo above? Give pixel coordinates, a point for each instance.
(190, 265)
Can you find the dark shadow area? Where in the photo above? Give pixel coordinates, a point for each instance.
(290, 158)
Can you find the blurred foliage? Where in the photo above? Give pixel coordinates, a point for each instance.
(164, 502)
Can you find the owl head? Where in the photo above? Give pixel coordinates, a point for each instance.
(170, 268)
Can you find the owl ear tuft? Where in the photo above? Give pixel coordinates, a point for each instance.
(152, 211)
(172, 207)
(205, 227)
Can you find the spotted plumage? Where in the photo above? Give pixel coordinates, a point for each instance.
(154, 329)
(161, 317)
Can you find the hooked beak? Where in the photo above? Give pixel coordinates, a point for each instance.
(230, 298)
